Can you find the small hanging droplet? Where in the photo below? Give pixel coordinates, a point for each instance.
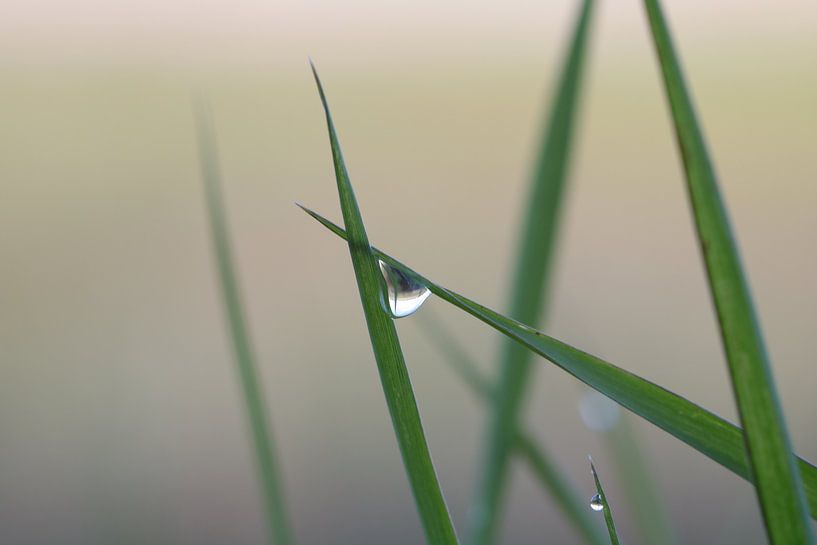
(595, 503)
(404, 294)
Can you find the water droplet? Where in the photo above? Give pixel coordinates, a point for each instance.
(404, 294)
(595, 503)
(598, 412)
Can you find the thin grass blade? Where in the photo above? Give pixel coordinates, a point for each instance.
(389, 356)
(704, 431)
(779, 490)
(606, 509)
(538, 459)
(529, 287)
(265, 452)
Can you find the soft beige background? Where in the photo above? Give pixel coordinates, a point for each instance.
(120, 420)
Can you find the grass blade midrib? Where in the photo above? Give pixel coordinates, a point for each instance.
(275, 508)
(704, 431)
(529, 286)
(389, 356)
(777, 482)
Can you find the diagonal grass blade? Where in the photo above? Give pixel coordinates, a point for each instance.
(389, 356)
(269, 471)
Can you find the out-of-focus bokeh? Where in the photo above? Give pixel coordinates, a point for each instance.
(120, 415)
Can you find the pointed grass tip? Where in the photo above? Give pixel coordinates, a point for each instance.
(592, 465)
(317, 81)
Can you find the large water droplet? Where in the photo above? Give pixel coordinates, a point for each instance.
(595, 503)
(403, 293)
(598, 412)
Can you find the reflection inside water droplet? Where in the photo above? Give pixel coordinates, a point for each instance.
(595, 503)
(404, 294)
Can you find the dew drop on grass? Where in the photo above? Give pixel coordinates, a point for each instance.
(404, 294)
(595, 503)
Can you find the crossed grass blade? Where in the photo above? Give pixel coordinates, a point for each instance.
(389, 356)
(704, 431)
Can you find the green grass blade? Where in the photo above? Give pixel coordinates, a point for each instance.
(777, 482)
(389, 356)
(608, 511)
(529, 286)
(544, 468)
(266, 459)
(702, 430)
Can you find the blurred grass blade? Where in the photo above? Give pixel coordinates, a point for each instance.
(606, 509)
(562, 491)
(777, 482)
(455, 356)
(544, 469)
(529, 285)
(269, 472)
(391, 365)
(702, 430)
(626, 452)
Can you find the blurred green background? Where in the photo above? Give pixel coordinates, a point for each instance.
(120, 416)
